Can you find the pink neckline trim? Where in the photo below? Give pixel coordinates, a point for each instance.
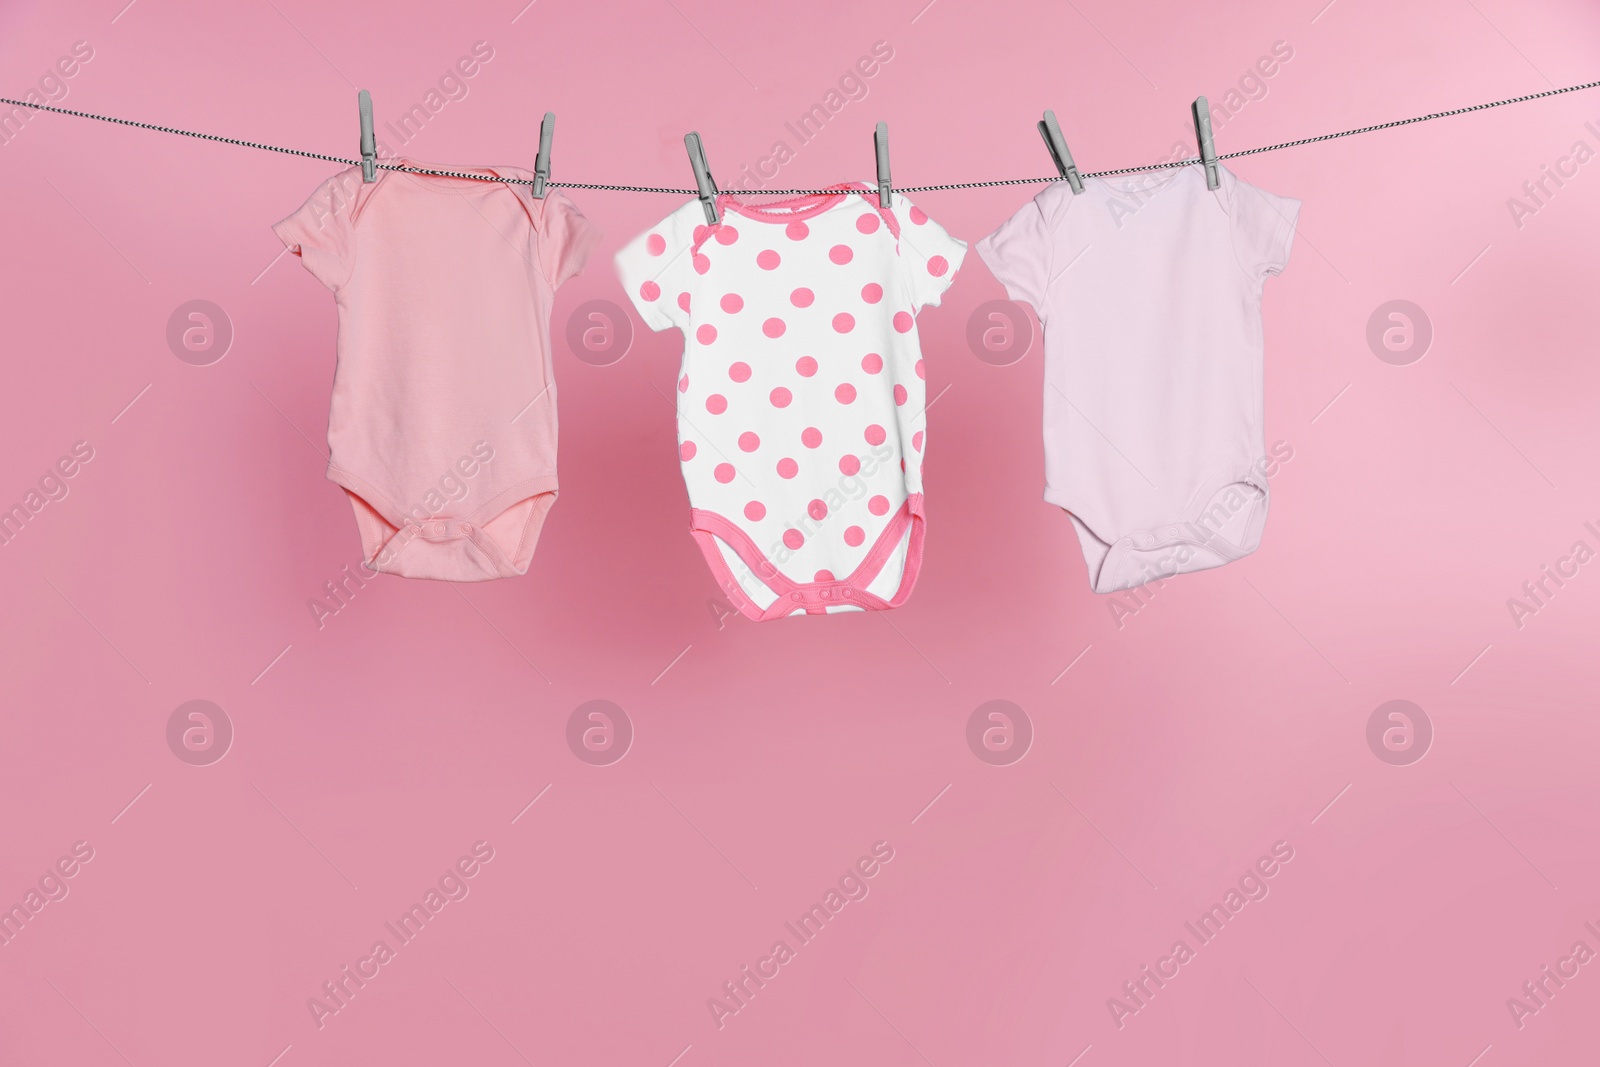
(801, 207)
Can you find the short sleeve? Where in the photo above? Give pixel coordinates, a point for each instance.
(566, 239)
(930, 255)
(322, 233)
(1018, 253)
(1263, 229)
(657, 268)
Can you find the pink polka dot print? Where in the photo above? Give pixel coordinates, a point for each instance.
(774, 436)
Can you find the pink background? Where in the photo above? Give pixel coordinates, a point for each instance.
(1229, 713)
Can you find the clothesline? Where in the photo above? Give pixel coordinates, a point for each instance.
(801, 192)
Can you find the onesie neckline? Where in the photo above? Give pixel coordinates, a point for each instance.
(1127, 184)
(438, 184)
(800, 207)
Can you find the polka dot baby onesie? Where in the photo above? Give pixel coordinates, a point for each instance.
(801, 395)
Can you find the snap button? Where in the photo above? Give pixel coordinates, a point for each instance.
(413, 529)
(438, 528)
(794, 596)
(825, 594)
(466, 527)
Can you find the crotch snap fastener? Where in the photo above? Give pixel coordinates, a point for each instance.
(466, 527)
(794, 596)
(438, 528)
(413, 530)
(826, 594)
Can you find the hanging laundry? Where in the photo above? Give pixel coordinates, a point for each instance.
(800, 399)
(1149, 290)
(442, 430)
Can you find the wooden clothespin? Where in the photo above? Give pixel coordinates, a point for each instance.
(1057, 144)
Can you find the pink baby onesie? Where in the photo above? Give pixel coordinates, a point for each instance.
(1149, 289)
(442, 429)
(800, 401)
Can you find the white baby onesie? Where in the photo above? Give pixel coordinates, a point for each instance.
(1149, 289)
(801, 394)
